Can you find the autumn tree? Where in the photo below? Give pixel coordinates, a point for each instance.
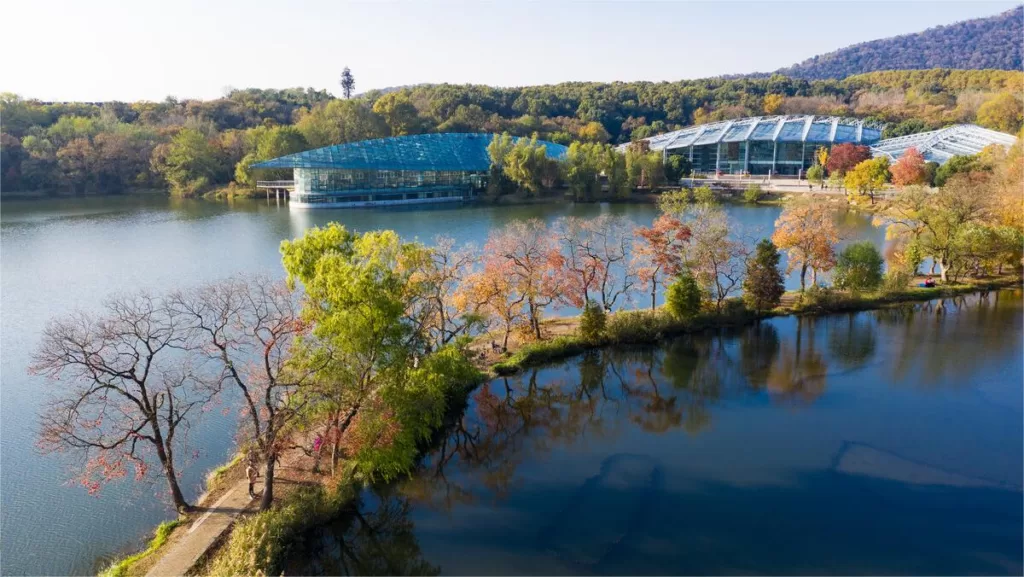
(439, 273)
(867, 178)
(611, 238)
(528, 254)
(909, 169)
(936, 220)
(715, 259)
(580, 265)
(807, 232)
(659, 253)
(763, 285)
(123, 390)
(246, 326)
(845, 156)
(644, 167)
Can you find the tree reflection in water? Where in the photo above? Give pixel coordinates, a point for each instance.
(601, 394)
(373, 536)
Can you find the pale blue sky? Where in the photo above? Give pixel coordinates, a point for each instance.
(146, 49)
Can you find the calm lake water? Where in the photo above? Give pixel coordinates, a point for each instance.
(58, 256)
(884, 442)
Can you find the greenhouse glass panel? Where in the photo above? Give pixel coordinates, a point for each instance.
(819, 132)
(792, 130)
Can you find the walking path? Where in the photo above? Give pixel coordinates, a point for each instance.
(182, 555)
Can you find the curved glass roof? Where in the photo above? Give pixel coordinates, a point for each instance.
(448, 151)
(941, 145)
(799, 128)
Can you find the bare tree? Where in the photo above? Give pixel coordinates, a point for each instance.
(616, 277)
(247, 325)
(122, 389)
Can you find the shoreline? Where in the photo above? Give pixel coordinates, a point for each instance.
(329, 495)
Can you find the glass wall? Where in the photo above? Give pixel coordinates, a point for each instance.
(317, 185)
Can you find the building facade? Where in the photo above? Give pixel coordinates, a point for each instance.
(417, 169)
(781, 145)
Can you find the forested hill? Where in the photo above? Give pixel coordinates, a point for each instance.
(192, 146)
(984, 43)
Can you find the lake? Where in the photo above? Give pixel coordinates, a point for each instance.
(883, 442)
(67, 254)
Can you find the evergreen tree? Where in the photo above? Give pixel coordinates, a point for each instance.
(348, 82)
(763, 286)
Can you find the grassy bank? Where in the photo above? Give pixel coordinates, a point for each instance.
(121, 568)
(652, 326)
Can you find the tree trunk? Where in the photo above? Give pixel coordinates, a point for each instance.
(942, 270)
(180, 504)
(268, 484)
(803, 275)
(654, 293)
(932, 270)
(814, 276)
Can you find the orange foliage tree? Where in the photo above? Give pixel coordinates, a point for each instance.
(807, 232)
(659, 252)
(909, 169)
(527, 254)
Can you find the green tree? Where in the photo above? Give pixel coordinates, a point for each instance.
(340, 121)
(763, 286)
(816, 175)
(753, 193)
(683, 297)
(704, 195)
(268, 143)
(959, 164)
(398, 113)
(593, 321)
(859, 267)
(189, 163)
(582, 166)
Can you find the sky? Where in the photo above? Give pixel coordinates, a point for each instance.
(97, 50)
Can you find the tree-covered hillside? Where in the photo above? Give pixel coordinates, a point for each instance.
(191, 146)
(984, 43)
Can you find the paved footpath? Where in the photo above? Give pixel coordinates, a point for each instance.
(199, 536)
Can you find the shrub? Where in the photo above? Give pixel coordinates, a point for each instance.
(859, 267)
(683, 297)
(704, 195)
(639, 326)
(753, 193)
(258, 544)
(593, 321)
(763, 285)
(896, 281)
(818, 297)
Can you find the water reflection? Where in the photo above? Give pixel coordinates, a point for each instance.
(669, 460)
(374, 536)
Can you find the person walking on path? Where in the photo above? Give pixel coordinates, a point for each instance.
(252, 474)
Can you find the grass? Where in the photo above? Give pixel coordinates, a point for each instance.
(214, 476)
(258, 544)
(163, 531)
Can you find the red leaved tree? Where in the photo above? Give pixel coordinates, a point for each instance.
(845, 156)
(527, 254)
(123, 390)
(909, 169)
(659, 253)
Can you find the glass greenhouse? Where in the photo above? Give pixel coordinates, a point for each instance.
(423, 168)
(941, 145)
(761, 145)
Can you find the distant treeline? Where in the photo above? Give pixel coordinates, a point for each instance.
(193, 146)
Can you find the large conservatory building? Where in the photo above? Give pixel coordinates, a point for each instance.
(424, 168)
(783, 145)
(941, 145)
